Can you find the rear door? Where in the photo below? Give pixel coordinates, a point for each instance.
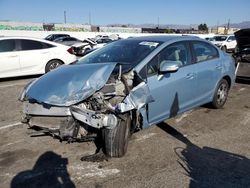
(173, 92)
(209, 68)
(34, 56)
(9, 58)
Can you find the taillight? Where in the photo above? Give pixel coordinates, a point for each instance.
(71, 50)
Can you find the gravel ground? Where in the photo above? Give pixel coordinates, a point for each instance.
(200, 148)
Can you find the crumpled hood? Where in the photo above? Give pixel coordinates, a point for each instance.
(243, 38)
(69, 84)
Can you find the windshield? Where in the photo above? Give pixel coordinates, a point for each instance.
(122, 51)
(220, 38)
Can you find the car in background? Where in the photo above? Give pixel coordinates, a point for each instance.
(80, 47)
(68, 41)
(225, 42)
(128, 85)
(101, 37)
(20, 56)
(52, 37)
(102, 42)
(242, 54)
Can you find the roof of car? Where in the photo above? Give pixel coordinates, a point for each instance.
(30, 38)
(22, 37)
(164, 38)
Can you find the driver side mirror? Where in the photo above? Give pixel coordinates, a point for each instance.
(169, 66)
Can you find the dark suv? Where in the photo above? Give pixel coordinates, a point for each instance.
(242, 55)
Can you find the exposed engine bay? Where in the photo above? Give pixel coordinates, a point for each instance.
(103, 109)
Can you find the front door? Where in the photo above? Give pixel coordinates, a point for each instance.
(9, 59)
(173, 92)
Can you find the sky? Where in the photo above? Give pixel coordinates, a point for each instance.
(184, 12)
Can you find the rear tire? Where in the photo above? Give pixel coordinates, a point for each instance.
(220, 95)
(52, 65)
(115, 141)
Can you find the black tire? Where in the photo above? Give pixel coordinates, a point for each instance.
(220, 95)
(115, 141)
(52, 65)
(224, 48)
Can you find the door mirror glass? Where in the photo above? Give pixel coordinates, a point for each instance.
(168, 66)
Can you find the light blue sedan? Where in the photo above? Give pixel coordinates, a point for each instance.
(128, 85)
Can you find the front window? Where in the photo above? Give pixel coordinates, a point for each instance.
(123, 51)
(231, 38)
(220, 38)
(177, 52)
(7, 45)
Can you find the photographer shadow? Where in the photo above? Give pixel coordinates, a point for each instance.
(50, 170)
(210, 167)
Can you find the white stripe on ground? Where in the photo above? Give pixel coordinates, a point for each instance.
(146, 136)
(186, 114)
(10, 125)
(11, 85)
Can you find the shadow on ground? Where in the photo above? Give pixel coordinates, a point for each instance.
(243, 81)
(50, 170)
(210, 167)
(19, 78)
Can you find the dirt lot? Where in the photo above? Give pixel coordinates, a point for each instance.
(201, 148)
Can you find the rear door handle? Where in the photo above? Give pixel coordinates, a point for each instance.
(190, 76)
(218, 67)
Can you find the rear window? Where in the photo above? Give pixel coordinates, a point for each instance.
(204, 51)
(7, 45)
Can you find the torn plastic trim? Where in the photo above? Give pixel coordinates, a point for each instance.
(94, 119)
(138, 97)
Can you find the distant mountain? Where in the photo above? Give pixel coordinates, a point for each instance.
(150, 25)
(241, 25)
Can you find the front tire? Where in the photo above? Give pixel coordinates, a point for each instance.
(115, 141)
(220, 95)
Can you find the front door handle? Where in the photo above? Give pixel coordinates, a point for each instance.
(190, 76)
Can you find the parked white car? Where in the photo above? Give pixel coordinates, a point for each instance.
(225, 42)
(20, 56)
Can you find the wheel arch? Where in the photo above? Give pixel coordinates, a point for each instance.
(228, 79)
(55, 59)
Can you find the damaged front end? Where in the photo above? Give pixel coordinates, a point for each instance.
(81, 100)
